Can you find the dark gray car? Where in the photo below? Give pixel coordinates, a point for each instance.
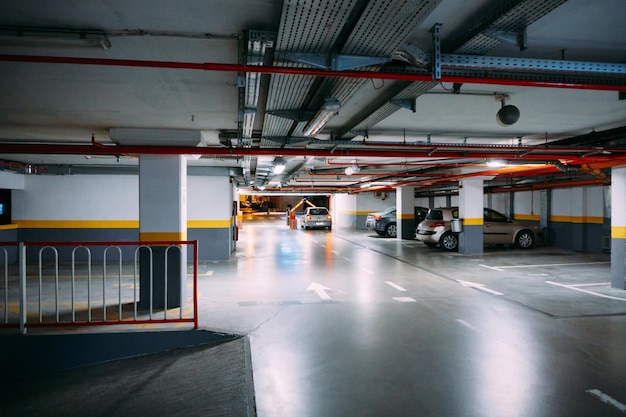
(384, 222)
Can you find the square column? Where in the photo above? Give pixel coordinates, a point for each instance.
(162, 216)
(405, 212)
(471, 210)
(618, 228)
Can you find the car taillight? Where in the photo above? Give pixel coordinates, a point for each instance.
(308, 217)
(328, 217)
(436, 224)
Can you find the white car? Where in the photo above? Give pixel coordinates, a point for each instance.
(316, 217)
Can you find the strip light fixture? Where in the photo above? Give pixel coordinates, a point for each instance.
(329, 110)
(53, 37)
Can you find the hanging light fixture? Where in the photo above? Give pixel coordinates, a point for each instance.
(53, 37)
(329, 110)
(353, 169)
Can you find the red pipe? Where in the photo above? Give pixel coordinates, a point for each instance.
(522, 153)
(267, 69)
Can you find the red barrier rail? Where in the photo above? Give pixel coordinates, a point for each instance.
(36, 294)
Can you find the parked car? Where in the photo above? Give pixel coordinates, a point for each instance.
(316, 217)
(436, 229)
(384, 222)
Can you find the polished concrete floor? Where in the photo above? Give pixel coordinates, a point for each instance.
(346, 323)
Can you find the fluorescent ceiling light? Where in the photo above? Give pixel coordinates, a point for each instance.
(327, 112)
(279, 165)
(496, 163)
(52, 37)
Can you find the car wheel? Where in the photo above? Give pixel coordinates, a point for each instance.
(524, 239)
(449, 241)
(391, 230)
(430, 244)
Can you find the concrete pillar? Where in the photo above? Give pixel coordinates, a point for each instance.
(471, 211)
(405, 212)
(163, 216)
(618, 228)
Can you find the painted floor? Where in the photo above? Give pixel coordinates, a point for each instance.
(346, 323)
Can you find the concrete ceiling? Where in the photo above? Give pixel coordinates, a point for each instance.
(147, 90)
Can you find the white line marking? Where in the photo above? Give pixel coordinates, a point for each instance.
(368, 271)
(394, 285)
(466, 324)
(491, 267)
(405, 299)
(347, 259)
(573, 287)
(542, 265)
(593, 284)
(606, 399)
(335, 252)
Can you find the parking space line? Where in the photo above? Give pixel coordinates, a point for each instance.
(606, 399)
(466, 324)
(405, 299)
(503, 267)
(394, 285)
(495, 268)
(575, 288)
(347, 259)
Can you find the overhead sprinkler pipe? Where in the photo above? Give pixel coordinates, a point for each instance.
(268, 69)
(421, 151)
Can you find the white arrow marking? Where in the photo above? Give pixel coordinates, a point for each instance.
(320, 290)
(478, 286)
(605, 398)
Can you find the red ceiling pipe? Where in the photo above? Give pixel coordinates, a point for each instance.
(537, 154)
(266, 69)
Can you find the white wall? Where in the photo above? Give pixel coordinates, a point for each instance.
(77, 197)
(209, 198)
(367, 203)
(578, 202)
(344, 210)
(11, 180)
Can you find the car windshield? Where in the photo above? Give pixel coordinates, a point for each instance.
(434, 215)
(439, 214)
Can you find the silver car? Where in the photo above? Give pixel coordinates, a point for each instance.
(498, 229)
(316, 217)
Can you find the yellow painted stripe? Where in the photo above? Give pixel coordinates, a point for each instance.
(78, 224)
(406, 216)
(473, 221)
(618, 232)
(578, 219)
(107, 224)
(155, 236)
(209, 224)
(535, 217)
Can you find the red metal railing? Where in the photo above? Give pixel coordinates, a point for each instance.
(57, 284)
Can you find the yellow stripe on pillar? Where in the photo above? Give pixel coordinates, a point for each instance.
(162, 236)
(473, 221)
(618, 232)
